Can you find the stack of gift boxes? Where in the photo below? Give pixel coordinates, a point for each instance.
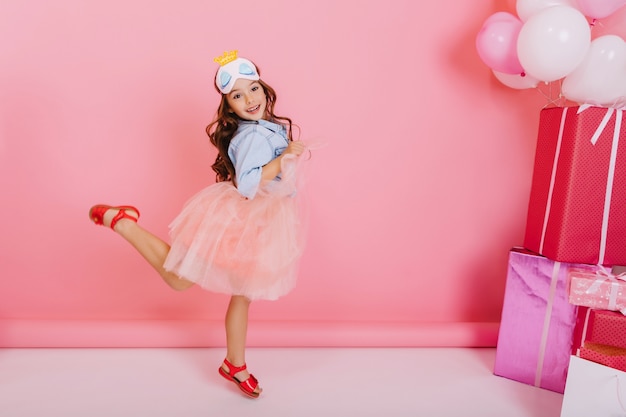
(564, 292)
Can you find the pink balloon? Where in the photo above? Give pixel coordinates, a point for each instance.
(614, 24)
(496, 43)
(499, 17)
(599, 9)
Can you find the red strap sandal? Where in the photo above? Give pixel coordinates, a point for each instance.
(248, 386)
(96, 214)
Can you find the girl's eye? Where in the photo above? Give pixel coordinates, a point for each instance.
(256, 87)
(236, 96)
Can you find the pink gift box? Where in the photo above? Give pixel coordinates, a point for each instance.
(598, 289)
(537, 324)
(577, 205)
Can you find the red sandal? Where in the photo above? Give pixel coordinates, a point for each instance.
(247, 386)
(96, 214)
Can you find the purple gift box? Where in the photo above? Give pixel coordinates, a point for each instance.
(537, 324)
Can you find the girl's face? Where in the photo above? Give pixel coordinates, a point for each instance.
(247, 99)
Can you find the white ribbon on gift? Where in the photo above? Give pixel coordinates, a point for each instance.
(557, 154)
(554, 279)
(604, 275)
(611, 175)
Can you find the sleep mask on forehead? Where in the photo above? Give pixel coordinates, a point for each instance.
(231, 69)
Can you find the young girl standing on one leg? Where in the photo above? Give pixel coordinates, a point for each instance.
(242, 235)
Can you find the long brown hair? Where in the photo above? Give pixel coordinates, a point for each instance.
(222, 129)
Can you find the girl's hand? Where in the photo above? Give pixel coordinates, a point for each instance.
(272, 168)
(295, 147)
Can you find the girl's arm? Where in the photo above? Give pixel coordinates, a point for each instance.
(270, 170)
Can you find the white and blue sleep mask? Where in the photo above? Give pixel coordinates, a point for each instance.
(231, 69)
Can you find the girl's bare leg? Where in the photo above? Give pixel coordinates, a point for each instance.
(151, 247)
(236, 331)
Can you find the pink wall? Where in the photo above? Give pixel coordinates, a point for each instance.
(415, 201)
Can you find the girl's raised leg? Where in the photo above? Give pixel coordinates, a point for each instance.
(152, 248)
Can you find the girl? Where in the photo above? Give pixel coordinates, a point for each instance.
(241, 235)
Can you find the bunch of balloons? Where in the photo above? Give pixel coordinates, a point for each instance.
(552, 40)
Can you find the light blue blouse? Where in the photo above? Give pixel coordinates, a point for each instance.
(255, 144)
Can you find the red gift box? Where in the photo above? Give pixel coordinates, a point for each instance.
(599, 327)
(611, 356)
(577, 205)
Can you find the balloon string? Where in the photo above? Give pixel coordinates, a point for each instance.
(553, 95)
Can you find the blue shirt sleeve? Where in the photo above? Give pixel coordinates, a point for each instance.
(249, 151)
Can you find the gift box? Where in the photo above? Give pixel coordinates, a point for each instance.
(599, 327)
(537, 323)
(594, 390)
(598, 289)
(611, 356)
(577, 204)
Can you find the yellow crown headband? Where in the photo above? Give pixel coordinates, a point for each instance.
(231, 69)
(226, 57)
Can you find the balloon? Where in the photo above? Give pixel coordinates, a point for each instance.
(614, 24)
(601, 78)
(527, 8)
(553, 42)
(599, 9)
(517, 81)
(500, 17)
(496, 43)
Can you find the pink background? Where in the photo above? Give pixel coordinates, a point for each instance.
(415, 201)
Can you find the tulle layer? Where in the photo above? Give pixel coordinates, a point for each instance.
(229, 244)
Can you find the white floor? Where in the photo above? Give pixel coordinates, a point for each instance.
(297, 382)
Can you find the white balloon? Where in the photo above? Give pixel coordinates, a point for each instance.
(600, 79)
(517, 81)
(553, 42)
(527, 8)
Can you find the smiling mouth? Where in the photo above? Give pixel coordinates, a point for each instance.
(254, 109)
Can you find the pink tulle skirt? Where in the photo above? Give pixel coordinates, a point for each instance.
(229, 244)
